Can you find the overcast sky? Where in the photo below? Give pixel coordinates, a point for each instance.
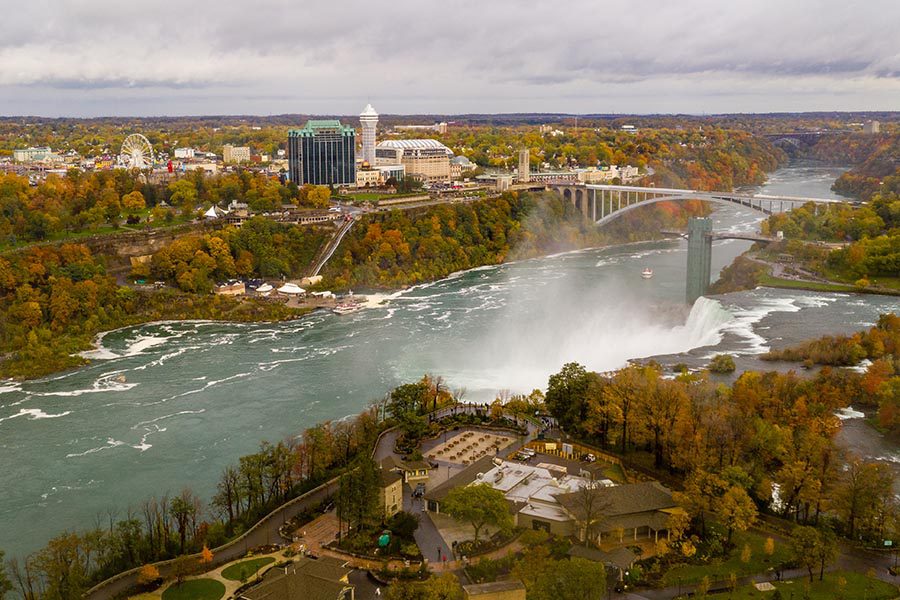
(108, 57)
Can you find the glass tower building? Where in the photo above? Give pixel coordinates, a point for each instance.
(322, 153)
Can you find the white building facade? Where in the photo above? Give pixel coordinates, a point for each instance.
(368, 122)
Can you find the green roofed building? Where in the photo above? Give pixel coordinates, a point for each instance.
(322, 153)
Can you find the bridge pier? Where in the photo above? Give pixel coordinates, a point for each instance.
(699, 259)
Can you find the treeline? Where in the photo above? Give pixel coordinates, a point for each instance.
(55, 299)
(694, 157)
(259, 248)
(170, 525)
(767, 442)
(880, 385)
(875, 158)
(61, 206)
(402, 248)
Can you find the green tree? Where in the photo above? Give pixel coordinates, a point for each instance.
(567, 395)
(813, 548)
(479, 505)
(570, 579)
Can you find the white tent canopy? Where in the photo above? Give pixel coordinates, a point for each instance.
(264, 288)
(291, 288)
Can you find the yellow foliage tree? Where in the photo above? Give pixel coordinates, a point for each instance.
(148, 574)
(769, 547)
(206, 555)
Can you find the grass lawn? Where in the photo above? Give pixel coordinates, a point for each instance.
(245, 569)
(196, 589)
(616, 473)
(759, 562)
(768, 280)
(856, 585)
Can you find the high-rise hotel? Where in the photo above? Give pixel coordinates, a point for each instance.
(322, 153)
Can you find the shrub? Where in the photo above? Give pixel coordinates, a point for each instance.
(722, 363)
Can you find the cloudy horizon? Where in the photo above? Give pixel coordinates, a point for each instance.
(92, 58)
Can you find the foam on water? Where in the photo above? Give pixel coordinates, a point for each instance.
(34, 414)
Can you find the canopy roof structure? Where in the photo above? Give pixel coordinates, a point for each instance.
(291, 288)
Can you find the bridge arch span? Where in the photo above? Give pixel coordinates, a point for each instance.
(626, 209)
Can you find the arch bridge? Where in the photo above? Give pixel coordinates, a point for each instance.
(605, 203)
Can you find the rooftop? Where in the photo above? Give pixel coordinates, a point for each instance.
(368, 111)
(428, 144)
(622, 500)
(314, 126)
(311, 579)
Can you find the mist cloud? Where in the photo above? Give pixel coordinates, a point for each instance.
(271, 56)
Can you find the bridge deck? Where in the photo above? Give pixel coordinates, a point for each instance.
(698, 194)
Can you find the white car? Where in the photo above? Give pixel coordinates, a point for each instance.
(334, 209)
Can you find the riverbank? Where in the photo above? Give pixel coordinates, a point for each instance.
(751, 270)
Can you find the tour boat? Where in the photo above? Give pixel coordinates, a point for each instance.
(647, 273)
(346, 308)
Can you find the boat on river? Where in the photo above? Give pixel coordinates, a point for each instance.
(647, 273)
(346, 308)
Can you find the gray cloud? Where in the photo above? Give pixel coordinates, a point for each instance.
(273, 56)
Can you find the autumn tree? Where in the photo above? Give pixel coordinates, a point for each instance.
(148, 574)
(206, 555)
(864, 496)
(133, 202)
(813, 548)
(479, 505)
(442, 587)
(737, 510)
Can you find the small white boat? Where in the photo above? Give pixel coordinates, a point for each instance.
(647, 273)
(346, 308)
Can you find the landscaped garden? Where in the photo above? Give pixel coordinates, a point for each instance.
(840, 585)
(245, 569)
(195, 589)
(400, 543)
(748, 556)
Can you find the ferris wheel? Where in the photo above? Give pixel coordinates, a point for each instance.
(137, 153)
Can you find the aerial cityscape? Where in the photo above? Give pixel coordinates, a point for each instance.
(450, 302)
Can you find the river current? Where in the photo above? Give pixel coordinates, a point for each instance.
(168, 405)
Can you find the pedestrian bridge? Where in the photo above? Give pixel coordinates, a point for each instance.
(605, 203)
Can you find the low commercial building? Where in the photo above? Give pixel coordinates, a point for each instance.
(412, 471)
(33, 154)
(184, 152)
(496, 590)
(426, 160)
(630, 513)
(235, 154)
(325, 578)
(547, 497)
(368, 178)
(554, 177)
(231, 288)
(872, 127)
